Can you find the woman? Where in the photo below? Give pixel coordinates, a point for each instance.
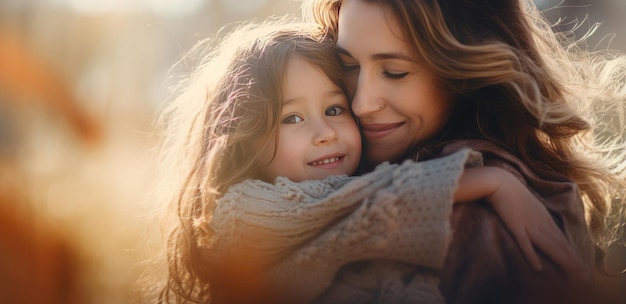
(430, 77)
(275, 226)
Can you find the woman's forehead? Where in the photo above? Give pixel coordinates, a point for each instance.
(370, 26)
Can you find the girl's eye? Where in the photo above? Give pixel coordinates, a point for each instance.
(334, 111)
(291, 119)
(395, 75)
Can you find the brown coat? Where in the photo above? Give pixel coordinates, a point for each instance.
(485, 265)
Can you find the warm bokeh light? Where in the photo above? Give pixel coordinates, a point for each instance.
(80, 84)
(165, 8)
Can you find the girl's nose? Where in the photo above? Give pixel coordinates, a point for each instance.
(324, 133)
(367, 97)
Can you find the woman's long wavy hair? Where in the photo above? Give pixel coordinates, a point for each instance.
(537, 93)
(228, 110)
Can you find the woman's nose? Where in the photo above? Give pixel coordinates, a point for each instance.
(367, 98)
(324, 133)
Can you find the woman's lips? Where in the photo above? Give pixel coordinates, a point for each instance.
(375, 131)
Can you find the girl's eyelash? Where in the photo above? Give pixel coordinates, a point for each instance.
(338, 109)
(395, 75)
(295, 118)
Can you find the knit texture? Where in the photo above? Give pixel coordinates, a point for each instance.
(383, 281)
(306, 231)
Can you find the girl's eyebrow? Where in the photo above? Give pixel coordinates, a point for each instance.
(378, 56)
(329, 94)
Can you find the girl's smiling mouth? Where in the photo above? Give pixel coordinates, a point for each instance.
(328, 161)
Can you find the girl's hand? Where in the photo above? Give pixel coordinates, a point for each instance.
(524, 215)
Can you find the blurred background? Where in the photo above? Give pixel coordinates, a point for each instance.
(80, 84)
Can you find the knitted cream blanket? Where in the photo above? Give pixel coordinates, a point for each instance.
(308, 230)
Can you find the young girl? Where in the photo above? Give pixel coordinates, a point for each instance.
(431, 77)
(263, 140)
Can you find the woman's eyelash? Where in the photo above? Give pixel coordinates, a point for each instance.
(395, 75)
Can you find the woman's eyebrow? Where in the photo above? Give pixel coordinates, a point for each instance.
(393, 55)
(378, 56)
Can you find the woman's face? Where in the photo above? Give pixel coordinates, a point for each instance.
(396, 99)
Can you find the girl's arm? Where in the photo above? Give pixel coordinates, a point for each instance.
(524, 215)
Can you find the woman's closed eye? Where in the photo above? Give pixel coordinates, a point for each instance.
(291, 119)
(393, 75)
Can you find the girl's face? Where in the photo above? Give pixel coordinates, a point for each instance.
(396, 100)
(317, 136)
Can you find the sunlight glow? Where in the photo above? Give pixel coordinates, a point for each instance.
(244, 6)
(165, 8)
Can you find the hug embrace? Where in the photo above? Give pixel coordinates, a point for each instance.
(395, 151)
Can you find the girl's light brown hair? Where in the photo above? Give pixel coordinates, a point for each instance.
(520, 85)
(229, 109)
